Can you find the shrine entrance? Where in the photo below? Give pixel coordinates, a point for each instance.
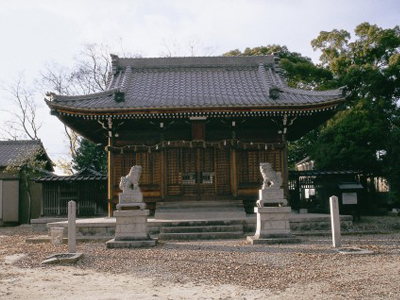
(197, 173)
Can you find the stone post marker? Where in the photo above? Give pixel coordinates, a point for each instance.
(335, 221)
(71, 227)
(272, 211)
(131, 216)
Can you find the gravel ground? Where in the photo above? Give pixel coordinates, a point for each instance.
(310, 270)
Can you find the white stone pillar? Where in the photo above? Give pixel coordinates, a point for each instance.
(335, 221)
(71, 227)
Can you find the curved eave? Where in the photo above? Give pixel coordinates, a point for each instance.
(107, 112)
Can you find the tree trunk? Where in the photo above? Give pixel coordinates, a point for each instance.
(28, 191)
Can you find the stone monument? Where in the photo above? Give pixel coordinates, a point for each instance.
(272, 211)
(131, 216)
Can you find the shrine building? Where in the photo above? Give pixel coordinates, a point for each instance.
(198, 126)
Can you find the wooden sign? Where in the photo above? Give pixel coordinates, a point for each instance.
(349, 198)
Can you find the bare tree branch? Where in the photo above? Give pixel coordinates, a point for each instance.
(88, 75)
(23, 122)
(192, 47)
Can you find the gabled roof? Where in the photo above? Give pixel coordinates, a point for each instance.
(14, 152)
(85, 174)
(322, 172)
(146, 84)
(350, 186)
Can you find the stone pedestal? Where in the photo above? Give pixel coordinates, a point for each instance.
(131, 196)
(272, 218)
(273, 226)
(131, 215)
(131, 230)
(272, 221)
(272, 196)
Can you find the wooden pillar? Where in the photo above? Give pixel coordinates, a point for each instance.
(234, 169)
(59, 200)
(199, 169)
(110, 168)
(163, 163)
(285, 169)
(215, 172)
(163, 172)
(234, 183)
(110, 178)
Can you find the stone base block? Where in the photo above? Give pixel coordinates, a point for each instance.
(133, 196)
(271, 203)
(271, 196)
(271, 193)
(112, 244)
(131, 206)
(272, 221)
(273, 240)
(131, 225)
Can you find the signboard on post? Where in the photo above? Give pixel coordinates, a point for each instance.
(349, 198)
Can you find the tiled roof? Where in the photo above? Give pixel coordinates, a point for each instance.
(195, 82)
(322, 172)
(16, 151)
(83, 175)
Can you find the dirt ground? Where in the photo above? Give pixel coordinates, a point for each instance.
(222, 269)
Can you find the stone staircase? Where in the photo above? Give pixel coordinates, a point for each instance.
(202, 230)
(200, 210)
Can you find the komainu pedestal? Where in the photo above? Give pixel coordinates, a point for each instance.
(131, 216)
(272, 211)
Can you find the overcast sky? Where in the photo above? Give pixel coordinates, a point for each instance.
(33, 33)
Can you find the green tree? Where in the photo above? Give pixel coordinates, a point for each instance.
(351, 141)
(90, 155)
(369, 67)
(299, 70)
(365, 135)
(392, 163)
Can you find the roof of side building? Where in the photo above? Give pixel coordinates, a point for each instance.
(13, 152)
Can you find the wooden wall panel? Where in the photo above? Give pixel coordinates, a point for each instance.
(150, 180)
(223, 170)
(173, 172)
(248, 164)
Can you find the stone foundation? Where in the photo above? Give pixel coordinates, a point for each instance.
(272, 226)
(272, 221)
(131, 230)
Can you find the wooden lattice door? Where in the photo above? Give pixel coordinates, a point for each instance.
(190, 172)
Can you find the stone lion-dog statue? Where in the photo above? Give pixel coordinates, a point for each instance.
(130, 182)
(270, 177)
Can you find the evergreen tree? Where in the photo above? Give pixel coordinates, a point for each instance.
(365, 136)
(90, 155)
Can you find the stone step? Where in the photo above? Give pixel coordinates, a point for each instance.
(200, 210)
(200, 229)
(191, 204)
(201, 235)
(198, 215)
(185, 223)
